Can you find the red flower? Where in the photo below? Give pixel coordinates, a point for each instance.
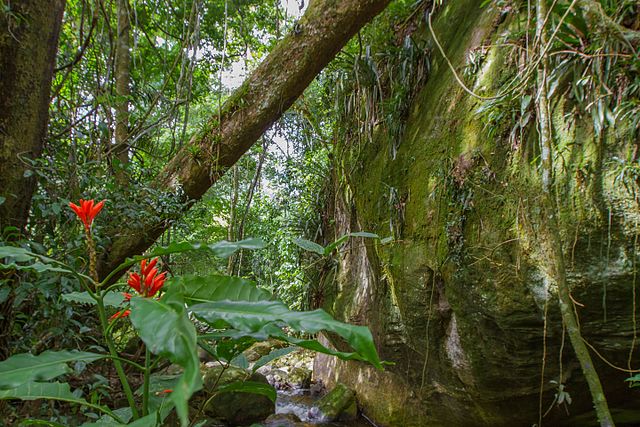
(87, 211)
(148, 282)
(119, 314)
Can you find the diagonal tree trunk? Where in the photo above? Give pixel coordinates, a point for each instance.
(267, 93)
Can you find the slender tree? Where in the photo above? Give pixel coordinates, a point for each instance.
(123, 89)
(551, 228)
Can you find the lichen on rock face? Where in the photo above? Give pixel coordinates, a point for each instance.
(458, 302)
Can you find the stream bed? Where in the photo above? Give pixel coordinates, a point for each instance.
(301, 403)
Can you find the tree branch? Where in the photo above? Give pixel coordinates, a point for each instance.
(266, 94)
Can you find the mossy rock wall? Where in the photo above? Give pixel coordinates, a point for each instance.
(458, 300)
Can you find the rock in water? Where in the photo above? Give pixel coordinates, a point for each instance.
(338, 404)
(282, 420)
(236, 409)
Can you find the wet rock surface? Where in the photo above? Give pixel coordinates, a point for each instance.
(234, 408)
(463, 302)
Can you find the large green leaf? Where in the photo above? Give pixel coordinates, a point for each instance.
(25, 368)
(16, 258)
(35, 391)
(152, 420)
(221, 249)
(255, 316)
(111, 299)
(271, 330)
(310, 246)
(273, 355)
(330, 248)
(48, 391)
(165, 328)
(198, 289)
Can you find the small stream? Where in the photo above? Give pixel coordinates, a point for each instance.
(300, 402)
(298, 394)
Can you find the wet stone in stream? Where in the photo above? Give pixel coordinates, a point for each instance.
(298, 397)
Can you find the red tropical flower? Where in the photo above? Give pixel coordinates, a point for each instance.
(119, 314)
(87, 211)
(148, 282)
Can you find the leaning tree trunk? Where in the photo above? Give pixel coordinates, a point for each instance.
(267, 93)
(29, 32)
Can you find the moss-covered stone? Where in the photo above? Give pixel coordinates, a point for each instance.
(339, 403)
(458, 302)
(236, 409)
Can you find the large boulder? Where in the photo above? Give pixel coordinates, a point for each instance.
(235, 408)
(463, 301)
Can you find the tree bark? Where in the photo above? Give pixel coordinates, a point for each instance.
(267, 93)
(28, 44)
(123, 90)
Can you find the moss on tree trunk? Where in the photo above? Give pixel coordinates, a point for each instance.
(28, 45)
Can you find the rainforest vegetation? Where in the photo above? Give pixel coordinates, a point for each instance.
(293, 213)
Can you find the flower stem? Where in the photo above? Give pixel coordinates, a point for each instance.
(112, 349)
(93, 258)
(147, 372)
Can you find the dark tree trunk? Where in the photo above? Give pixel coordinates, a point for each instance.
(257, 104)
(28, 42)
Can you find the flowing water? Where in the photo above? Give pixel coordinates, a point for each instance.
(300, 402)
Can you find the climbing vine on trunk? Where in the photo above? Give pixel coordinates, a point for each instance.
(551, 229)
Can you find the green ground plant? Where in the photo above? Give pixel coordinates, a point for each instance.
(222, 314)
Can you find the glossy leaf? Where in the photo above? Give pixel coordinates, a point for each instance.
(26, 368)
(273, 331)
(152, 420)
(14, 258)
(222, 249)
(165, 328)
(35, 391)
(330, 248)
(334, 245)
(197, 289)
(364, 234)
(111, 299)
(273, 355)
(47, 391)
(255, 316)
(310, 246)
